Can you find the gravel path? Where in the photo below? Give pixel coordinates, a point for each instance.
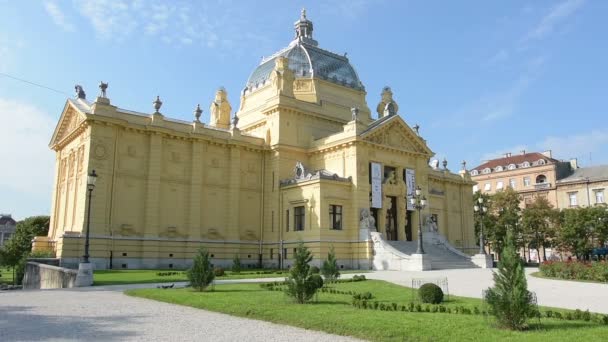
(106, 314)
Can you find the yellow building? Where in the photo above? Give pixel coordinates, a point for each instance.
(293, 164)
(585, 187)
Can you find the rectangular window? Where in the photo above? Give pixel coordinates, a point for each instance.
(271, 254)
(298, 218)
(499, 185)
(284, 253)
(335, 216)
(572, 199)
(487, 187)
(475, 188)
(599, 196)
(512, 183)
(287, 218)
(526, 181)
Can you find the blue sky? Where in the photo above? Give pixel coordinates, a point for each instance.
(481, 78)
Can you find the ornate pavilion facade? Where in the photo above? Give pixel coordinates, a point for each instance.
(302, 159)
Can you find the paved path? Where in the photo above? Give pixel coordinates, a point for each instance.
(471, 282)
(104, 314)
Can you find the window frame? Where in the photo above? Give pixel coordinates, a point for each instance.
(334, 213)
(500, 185)
(573, 195)
(487, 187)
(299, 218)
(598, 192)
(527, 181)
(512, 183)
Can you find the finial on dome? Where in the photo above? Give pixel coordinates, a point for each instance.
(304, 28)
(303, 13)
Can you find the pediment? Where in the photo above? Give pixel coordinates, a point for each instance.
(395, 133)
(70, 120)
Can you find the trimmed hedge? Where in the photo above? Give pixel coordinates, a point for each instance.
(430, 293)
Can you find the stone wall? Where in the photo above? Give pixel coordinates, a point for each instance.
(42, 276)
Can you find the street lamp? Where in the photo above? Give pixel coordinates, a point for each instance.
(481, 210)
(92, 177)
(419, 202)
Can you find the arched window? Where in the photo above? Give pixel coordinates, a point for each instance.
(486, 170)
(525, 164)
(474, 173)
(541, 162)
(541, 179)
(498, 168)
(511, 167)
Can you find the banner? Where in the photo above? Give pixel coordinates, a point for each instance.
(376, 185)
(410, 183)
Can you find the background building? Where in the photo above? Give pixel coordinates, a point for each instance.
(530, 174)
(294, 163)
(7, 228)
(584, 187)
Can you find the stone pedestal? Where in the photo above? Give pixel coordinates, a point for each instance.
(420, 262)
(482, 260)
(85, 274)
(364, 234)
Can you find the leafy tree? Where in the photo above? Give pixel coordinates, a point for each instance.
(582, 229)
(201, 274)
(510, 301)
(504, 214)
(488, 222)
(301, 283)
(329, 269)
(20, 243)
(236, 264)
(539, 221)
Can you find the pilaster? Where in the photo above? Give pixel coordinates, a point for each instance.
(152, 218)
(196, 179)
(234, 186)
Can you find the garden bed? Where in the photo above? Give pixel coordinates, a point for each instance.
(595, 271)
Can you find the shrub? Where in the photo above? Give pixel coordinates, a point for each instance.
(317, 280)
(301, 284)
(314, 270)
(219, 271)
(510, 301)
(329, 269)
(236, 264)
(576, 270)
(430, 293)
(201, 274)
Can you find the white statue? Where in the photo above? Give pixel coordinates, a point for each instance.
(431, 223)
(366, 220)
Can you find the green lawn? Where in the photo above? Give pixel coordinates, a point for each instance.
(334, 313)
(120, 277)
(6, 275)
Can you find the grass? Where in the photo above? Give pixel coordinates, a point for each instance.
(539, 274)
(6, 275)
(121, 277)
(333, 313)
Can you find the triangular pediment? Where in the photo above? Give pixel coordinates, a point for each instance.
(395, 133)
(70, 120)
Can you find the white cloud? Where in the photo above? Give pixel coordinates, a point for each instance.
(557, 14)
(58, 16)
(28, 164)
(111, 19)
(577, 145)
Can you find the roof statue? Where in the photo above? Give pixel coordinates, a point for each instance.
(80, 94)
(103, 87)
(220, 110)
(387, 105)
(197, 113)
(157, 104)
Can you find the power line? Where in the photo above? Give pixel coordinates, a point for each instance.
(34, 84)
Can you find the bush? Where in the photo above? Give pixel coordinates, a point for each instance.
(510, 301)
(575, 270)
(201, 274)
(314, 270)
(430, 293)
(219, 271)
(236, 264)
(329, 269)
(317, 280)
(301, 284)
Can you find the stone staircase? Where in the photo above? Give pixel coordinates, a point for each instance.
(441, 257)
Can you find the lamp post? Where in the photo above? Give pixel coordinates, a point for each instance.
(92, 177)
(481, 210)
(419, 203)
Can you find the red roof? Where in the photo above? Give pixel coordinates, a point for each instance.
(515, 159)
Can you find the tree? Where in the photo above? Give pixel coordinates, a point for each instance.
(488, 222)
(329, 269)
(20, 244)
(301, 283)
(539, 221)
(236, 264)
(581, 230)
(510, 301)
(201, 273)
(504, 216)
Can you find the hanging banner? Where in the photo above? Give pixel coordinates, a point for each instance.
(376, 185)
(410, 182)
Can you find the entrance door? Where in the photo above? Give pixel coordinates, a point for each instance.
(408, 226)
(391, 220)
